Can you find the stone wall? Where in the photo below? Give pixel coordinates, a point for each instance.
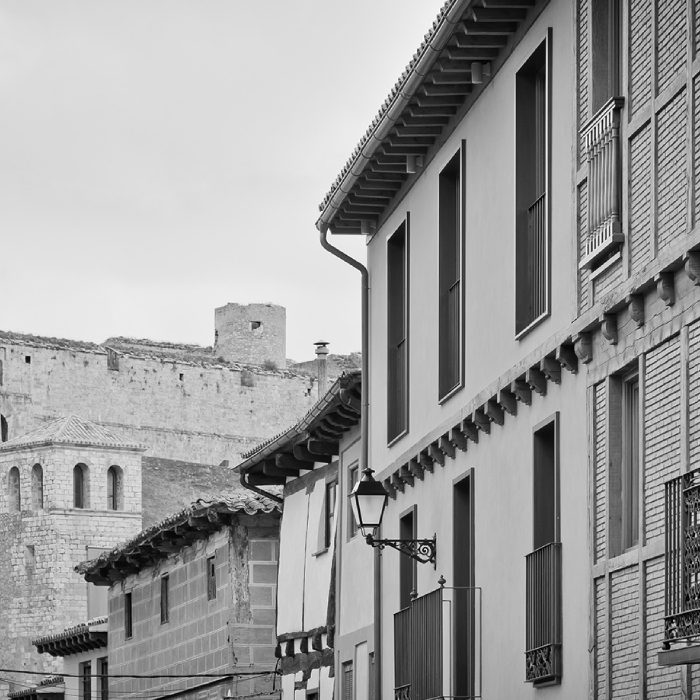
(234, 631)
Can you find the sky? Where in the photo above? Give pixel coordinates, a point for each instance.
(160, 158)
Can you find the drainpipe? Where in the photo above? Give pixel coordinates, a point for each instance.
(267, 494)
(364, 441)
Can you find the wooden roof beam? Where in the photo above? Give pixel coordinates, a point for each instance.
(360, 193)
(461, 89)
(302, 453)
(263, 480)
(271, 469)
(488, 28)
(292, 464)
(508, 3)
(471, 54)
(498, 14)
(322, 447)
(473, 41)
(406, 130)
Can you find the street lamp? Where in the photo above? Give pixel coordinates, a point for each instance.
(368, 500)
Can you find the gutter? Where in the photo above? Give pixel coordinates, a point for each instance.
(415, 75)
(261, 492)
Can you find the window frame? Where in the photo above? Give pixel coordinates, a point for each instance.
(408, 566)
(457, 161)
(103, 678)
(330, 494)
(630, 461)
(164, 599)
(85, 672)
(211, 577)
(128, 615)
(80, 486)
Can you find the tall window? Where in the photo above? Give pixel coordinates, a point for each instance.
(348, 685)
(545, 487)
(164, 599)
(128, 618)
(407, 565)
(114, 488)
(451, 265)
(85, 671)
(605, 45)
(103, 680)
(37, 487)
(353, 478)
(397, 333)
(532, 105)
(14, 499)
(329, 511)
(3, 429)
(211, 578)
(80, 486)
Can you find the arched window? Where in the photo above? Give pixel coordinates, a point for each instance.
(14, 500)
(37, 487)
(115, 495)
(80, 486)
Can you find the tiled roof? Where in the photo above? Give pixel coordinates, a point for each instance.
(69, 430)
(197, 521)
(74, 640)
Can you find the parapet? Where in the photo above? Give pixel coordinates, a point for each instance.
(253, 334)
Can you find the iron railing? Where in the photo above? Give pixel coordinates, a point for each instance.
(437, 646)
(601, 140)
(543, 614)
(682, 620)
(537, 256)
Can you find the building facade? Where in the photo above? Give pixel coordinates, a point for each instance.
(527, 191)
(193, 597)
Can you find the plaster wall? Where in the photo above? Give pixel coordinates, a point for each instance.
(71, 667)
(488, 130)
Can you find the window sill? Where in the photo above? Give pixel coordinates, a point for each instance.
(320, 552)
(394, 440)
(533, 324)
(454, 390)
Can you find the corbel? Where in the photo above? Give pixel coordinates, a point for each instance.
(426, 461)
(458, 438)
(436, 454)
(493, 412)
(406, 475)
(608, 327)
(536, 380)
(566, 357)
(397, 482)
(691, 262)
(635, 306)
(507, 401)
(665, 288)
(481, 421)
(583, 347)
(389, 488)
(447, 447)
(469, 429)
(551, 369)
(416, 468)
(521, 390)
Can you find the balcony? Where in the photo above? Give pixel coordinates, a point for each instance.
(681, 644)
(543, 615)
(601, 139)
(437, 646)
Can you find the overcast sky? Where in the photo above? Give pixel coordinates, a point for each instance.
(159, 158)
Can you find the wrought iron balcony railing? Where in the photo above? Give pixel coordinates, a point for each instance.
(601, 139)
(543, 615)
(682, 621)
(437, 646)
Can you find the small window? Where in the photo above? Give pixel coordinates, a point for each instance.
(3, 429)
(0, 372)
(28, 359)
(128, 619)
(30, 558)
(37, 487)
(85, 672)
(329, 512)
(255, 325)
(211, 578)
(182, 377)
(103, 680)
(80, 486)
(112, 360)
(164, 599)
(14, 499)
(115, 498)
(353, 478)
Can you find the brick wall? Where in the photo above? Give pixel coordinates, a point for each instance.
(235, 631)
(639, 54)
(583, 68)
(624, 640)
(584, 275)
(601, 472)
(694, 394)
(640, 249)
(607, 282)
(600, 632)
(671, 33)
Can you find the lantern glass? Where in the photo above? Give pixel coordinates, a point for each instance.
(368, 500)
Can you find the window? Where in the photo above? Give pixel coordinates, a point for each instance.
(353, 478)
(545, 486)
(14, 500)
(115, 500)
(103, 680)
(128, 619)
(348, 689)
(532, 104)
(28, 359)
(451, 265)
(211, 578)
(80, 486)
(164, 599)
(30, 558)
(329, 512)
(397, 333)
(605, 53)
(407, 565)
(37, 487)
(112, 360)
(3, 429)
(85, 672)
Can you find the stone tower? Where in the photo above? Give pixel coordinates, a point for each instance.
(68, 490)
(253, 334)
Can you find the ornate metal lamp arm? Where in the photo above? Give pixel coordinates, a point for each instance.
(421, 550)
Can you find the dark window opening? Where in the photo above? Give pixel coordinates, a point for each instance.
(164, 599)
(211, 578)
(353, 478)
(79, 486)
(545, 487)
(30, 557)
(128, 619)
(103, 680)
(37, 487)
(348, 689)
(28, 359)
(3, 429)
(605, 51)
(397, 333)
(112, 360)
(115, 488)
(451, 263)
(13, 491)
(85, 680)
(532, 174)
(0, 372)
(329, 512)
(407, 565)
(254, 325)
(182, 376)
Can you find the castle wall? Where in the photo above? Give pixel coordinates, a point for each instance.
(180, 410)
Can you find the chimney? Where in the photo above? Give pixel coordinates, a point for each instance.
(322, 367)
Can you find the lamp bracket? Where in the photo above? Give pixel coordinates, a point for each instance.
(420, 550)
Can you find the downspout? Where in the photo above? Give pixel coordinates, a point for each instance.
(266, 494)
(364, 440)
